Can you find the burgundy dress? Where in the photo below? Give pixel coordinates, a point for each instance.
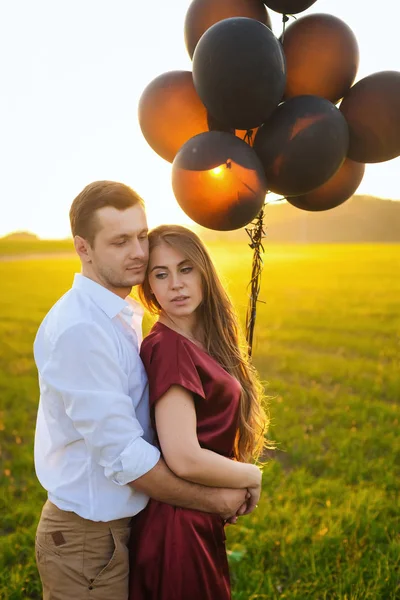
(178, 553)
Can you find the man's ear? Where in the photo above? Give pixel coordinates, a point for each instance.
(82, 248)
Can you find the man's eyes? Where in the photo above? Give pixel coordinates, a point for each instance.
(142, 238)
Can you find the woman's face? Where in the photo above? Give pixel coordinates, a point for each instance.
(175, 281)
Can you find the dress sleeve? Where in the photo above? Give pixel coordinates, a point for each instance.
(168, 362)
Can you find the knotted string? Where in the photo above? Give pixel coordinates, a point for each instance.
(285, 19)
(256, 234)
(248, 137)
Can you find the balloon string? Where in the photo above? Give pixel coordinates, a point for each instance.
(276, 200)
(285, 19)
(248, 137)
(256, 234)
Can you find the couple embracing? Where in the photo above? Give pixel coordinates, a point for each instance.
(146, 448)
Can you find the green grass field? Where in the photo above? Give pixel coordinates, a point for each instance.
(328, 345)
(19, 247)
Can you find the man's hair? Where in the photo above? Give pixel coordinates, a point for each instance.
(96, 195)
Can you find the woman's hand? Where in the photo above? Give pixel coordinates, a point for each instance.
(252, 496)
(254, 499)
(254, 476)
(254, 491)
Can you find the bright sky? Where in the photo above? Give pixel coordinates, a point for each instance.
(72, 73)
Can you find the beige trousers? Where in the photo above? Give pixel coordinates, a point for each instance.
(80, 559)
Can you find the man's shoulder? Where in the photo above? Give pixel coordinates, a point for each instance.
(72, 310)
(73, 324)
(69, 307)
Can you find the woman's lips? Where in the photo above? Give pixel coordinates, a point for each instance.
(180, 299)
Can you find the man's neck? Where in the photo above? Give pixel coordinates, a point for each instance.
(121, 292)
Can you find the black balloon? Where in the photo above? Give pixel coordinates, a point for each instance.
(239, 72)
(202, 14)
(289, 7)
(372, 111)
(218, 181)
(335, 191)
(302, 145)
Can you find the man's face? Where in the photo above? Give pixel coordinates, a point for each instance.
(120, 252)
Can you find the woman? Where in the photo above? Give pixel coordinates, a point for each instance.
(205, 402)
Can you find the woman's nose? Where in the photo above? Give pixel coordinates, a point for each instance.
(176, 282)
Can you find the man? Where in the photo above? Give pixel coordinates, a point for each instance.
(94, 451)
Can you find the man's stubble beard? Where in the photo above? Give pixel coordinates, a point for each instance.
(117, 281)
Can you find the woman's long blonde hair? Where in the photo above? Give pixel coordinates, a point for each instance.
(222, 336)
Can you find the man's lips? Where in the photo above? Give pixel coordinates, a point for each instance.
(136, 268)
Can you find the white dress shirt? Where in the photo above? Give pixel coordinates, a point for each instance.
(93, 432)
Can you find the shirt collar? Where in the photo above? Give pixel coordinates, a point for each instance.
(110, 303)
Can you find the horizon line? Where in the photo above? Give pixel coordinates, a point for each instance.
(28, 233)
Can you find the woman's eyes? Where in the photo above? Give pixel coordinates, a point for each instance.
(184, 270)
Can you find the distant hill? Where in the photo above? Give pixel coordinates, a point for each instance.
(20, 235)
(360, 219)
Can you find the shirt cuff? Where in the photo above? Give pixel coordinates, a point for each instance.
(138, 458)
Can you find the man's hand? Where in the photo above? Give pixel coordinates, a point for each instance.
(240, 512)
(252, 499)
(249, 502)
(231, 502)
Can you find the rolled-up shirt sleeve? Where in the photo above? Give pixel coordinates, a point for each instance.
(83, 367)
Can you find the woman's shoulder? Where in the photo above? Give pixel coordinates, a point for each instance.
(159, 336)
(164, 339)
(169, 360)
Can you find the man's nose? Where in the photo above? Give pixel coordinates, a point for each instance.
(137, 250)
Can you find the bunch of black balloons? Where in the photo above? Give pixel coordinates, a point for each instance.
(259, 114)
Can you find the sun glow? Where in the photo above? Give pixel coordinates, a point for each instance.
(73, 135)
(217, 171)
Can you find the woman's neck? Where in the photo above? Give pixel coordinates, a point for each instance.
(186, 326)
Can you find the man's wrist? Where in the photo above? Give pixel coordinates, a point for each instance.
(211, 500)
